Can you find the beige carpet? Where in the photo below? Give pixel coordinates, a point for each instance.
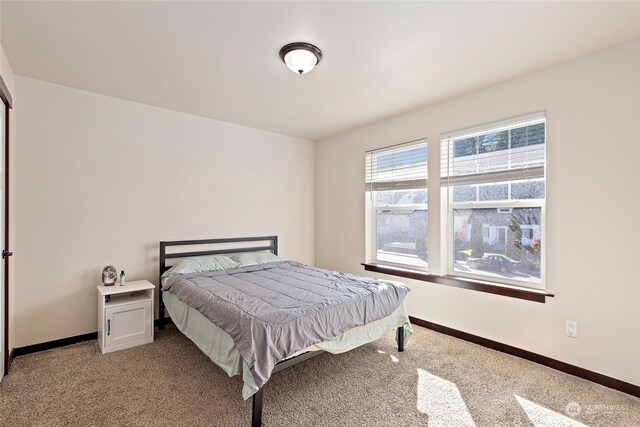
(437, 381)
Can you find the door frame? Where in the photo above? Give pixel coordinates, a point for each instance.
(7, 99)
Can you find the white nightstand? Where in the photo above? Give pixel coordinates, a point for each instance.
(125, 315)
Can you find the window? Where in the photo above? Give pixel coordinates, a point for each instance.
(397, 214)
(493, 181)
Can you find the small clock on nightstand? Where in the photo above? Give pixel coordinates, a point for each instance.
(125, 315)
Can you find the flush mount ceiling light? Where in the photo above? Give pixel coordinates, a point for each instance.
(300, 57)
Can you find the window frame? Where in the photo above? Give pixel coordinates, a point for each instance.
(448, 206)
(372, 208)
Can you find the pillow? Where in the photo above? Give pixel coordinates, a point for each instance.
(199, 264)
(253, 258)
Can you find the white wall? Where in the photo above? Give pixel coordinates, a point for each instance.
(5, 67)
(101, 181)
(593, 210)
(6, 72)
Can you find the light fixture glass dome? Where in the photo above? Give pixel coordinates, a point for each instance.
(300, 57)
(300, 61)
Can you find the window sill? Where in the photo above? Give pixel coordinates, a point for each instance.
(475, 285)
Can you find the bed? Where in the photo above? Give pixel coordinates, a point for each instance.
(254, 314)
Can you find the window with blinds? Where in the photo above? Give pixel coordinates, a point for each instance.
(494, 181)
(396, 187)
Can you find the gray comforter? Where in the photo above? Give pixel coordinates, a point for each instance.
(276, 309)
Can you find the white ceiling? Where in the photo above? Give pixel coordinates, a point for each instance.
(220, 59)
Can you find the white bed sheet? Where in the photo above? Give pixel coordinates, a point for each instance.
(220, 348)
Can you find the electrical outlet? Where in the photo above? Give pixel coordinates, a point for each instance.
(572, 329)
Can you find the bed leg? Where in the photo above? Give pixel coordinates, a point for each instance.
(400, 338)
(161, 315)
(256, 412)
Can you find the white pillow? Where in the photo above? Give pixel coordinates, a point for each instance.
(252, 258)
(199, 264)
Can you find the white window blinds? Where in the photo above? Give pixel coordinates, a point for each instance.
(506, 151)
(401, 167)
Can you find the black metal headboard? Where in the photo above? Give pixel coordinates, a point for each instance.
(164, 256)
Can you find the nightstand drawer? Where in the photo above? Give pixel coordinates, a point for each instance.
(127, 323)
